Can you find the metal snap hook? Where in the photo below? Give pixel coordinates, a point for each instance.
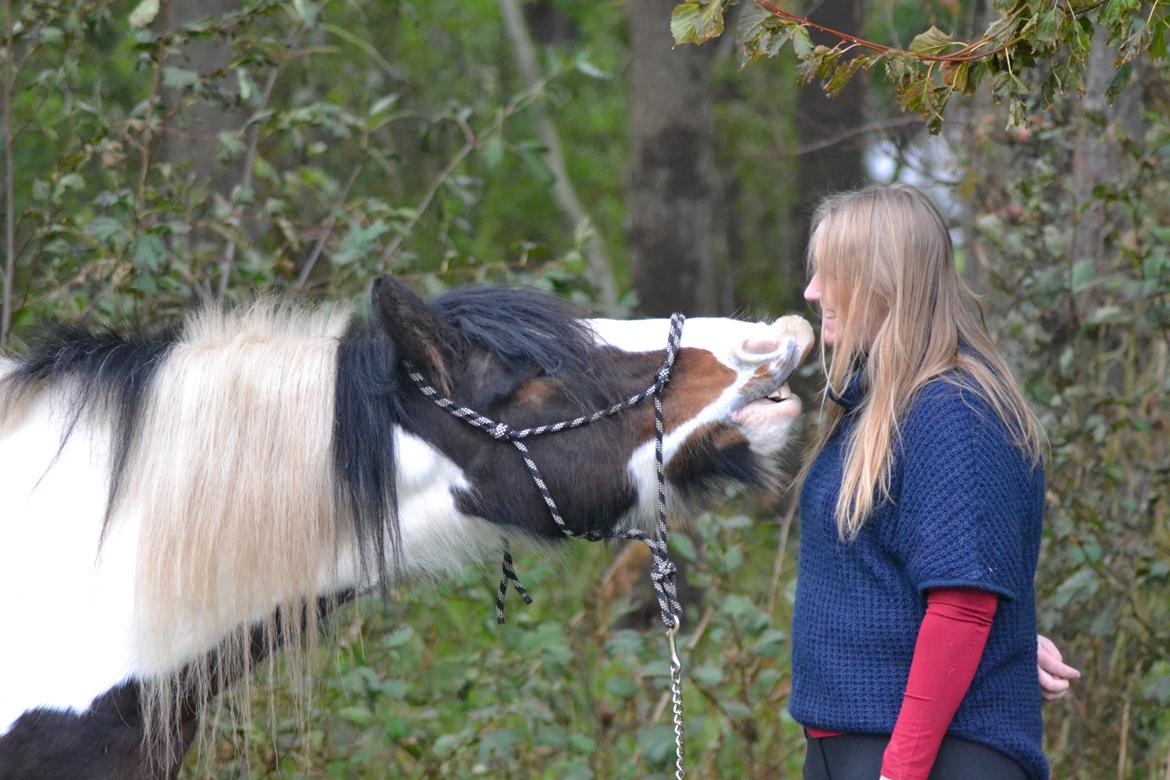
(671, 633)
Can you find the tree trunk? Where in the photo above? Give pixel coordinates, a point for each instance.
(824, 170)
(192, 137)
(673, 187)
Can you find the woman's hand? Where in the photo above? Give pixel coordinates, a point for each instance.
(1054, 673)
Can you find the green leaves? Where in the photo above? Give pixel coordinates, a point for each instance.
(695, 22)
(933, 42)
(761, 34)
(1120, 80)
(150, 253)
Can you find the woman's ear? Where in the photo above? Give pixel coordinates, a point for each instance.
(417, 332)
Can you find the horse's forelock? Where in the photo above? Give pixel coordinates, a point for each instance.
(524, 328)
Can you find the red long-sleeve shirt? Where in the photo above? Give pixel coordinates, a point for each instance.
(950, 645)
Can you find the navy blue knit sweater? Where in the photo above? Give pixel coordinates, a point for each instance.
(966, 512)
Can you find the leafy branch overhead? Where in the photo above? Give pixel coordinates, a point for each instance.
(1034, 51)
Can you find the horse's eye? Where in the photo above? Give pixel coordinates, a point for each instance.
(538, 370)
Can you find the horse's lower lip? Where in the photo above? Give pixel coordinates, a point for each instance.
(759, 410)
(766, 403)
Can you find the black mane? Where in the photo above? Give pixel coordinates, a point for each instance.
(365, 413)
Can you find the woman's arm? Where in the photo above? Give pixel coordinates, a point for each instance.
(948, 650)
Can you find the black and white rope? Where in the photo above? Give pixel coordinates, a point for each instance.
(663, 572)
(509, 575)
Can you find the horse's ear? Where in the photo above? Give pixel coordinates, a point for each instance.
(417, 332)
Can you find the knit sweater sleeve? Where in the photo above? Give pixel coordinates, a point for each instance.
(960, 477)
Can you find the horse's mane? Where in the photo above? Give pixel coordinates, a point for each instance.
(253, 451)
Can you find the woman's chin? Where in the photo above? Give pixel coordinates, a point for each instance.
(828, 329)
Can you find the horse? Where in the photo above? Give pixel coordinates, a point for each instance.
(177, 507)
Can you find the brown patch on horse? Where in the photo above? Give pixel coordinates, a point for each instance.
(536, 391)
(698, 378)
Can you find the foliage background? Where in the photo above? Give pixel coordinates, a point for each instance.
(157, 159)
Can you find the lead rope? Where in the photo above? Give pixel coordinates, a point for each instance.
(663, 572)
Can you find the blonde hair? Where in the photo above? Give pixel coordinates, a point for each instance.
(904, 318)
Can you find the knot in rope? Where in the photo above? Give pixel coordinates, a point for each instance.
(663, 570)
(501, 431)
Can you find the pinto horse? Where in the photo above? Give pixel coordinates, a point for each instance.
(175, 509)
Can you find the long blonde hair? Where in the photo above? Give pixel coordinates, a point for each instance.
(904, 317)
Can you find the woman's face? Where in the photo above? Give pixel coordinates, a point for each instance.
(816, 295)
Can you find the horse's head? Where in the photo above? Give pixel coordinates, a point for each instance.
(523, 359)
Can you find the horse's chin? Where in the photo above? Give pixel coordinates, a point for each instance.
(764, 413)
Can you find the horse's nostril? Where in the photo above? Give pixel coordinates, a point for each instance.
(760, 346)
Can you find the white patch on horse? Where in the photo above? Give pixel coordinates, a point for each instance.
(717, 335)
(437, 539)
(70, 609)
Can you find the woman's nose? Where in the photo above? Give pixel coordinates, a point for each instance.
(812, 293)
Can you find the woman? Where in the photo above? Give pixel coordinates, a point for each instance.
(914, 632)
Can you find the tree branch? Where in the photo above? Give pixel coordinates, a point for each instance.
(148, 129)
(968, 52)
(563, 192)
(424, 203)
(327, 229)
(6, 91)
(229, 255)
(863, 129)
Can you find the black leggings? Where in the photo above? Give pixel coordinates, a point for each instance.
(859, 757)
